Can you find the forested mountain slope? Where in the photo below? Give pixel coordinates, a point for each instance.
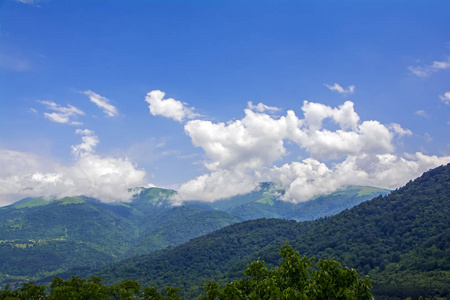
(39, 238)
(401, 240)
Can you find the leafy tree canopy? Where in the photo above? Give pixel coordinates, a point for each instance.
(296, 278)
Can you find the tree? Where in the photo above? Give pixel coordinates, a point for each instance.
(296, 278)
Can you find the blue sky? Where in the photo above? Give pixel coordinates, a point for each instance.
(86, 86)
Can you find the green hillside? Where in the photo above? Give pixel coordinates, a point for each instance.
(400, 240)
(39, 238)
(70, 232)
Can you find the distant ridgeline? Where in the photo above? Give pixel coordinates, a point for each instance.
(40, 238)
(402, 241)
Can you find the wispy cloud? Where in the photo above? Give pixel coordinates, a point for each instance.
(337, 88)
(422, 113)
(89, 143)
(103, 103)
(61, 114)
(261, 107)
(445, 98)
(427, 70)
(14, 62)
(397, 128)
(29, 2)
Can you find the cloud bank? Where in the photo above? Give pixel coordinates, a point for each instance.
(345, 151)
(103, 177)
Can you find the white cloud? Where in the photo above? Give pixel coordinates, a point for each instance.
(397, 128)
(169, 108)
(427, 70)
(216, 185)
(344, 115)
(261, 107)
(103, 177)
(308, 178)
(422, 113)
(103, 103)
(88, 144)
(242, 152)
(61, 114)
(445, 98)
(337, 88)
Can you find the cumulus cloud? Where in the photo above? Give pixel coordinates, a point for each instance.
(169, 108)
(308, 178)
(241, 153)
(216, 185)
(103, 177)
(445, 98)
(103, 103)
(61, 114)
(427, 70)
(337, 88)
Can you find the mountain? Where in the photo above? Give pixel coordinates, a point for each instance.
(39, 237)
(400, 240)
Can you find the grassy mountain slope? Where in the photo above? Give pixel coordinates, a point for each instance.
(384, 237)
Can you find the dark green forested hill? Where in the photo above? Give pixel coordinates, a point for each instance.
(189, 265)
(400, 240)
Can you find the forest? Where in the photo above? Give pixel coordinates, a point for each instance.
(297, 277)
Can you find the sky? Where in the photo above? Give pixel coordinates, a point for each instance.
(212, 97)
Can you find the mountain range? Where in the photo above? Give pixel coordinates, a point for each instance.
(40, 238)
